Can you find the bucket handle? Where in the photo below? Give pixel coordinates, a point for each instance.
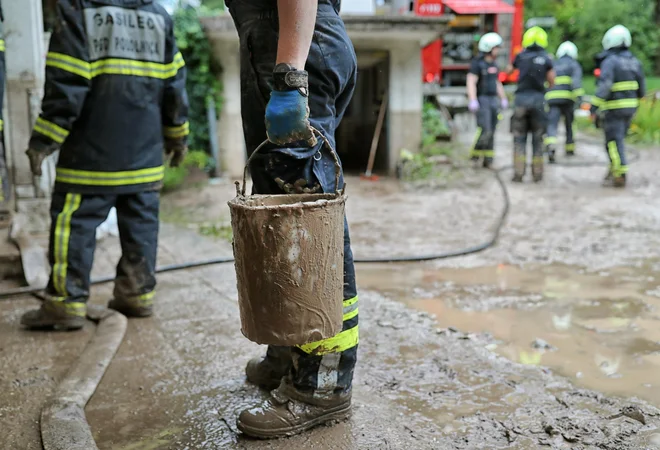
(326, 143)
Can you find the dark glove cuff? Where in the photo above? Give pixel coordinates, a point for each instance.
(40, 146)
(287, 78)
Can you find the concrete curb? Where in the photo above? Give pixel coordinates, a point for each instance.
(63, 422)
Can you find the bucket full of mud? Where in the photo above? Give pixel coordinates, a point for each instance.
(289, 252)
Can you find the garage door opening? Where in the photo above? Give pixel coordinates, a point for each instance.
(357, 129)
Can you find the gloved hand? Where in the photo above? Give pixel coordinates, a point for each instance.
(36, 158)
(287, 112)
(287, 118)
(176, 150)
(473, 105)
(505, 103)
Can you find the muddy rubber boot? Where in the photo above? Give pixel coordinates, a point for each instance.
(268, 372)
(551, 153)
(488, 162)
(619, 182)
(289, 412)
(134, 307)
(608, 181)
(519, 168)
(57, 315)
(537, 169)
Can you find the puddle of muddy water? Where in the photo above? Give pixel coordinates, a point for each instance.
(602, 330)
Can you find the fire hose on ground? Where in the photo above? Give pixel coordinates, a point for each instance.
(490, 242)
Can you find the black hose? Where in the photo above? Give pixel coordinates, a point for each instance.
(387, 259)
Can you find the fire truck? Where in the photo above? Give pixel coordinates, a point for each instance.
(446, 61)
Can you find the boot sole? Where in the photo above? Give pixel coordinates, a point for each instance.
(57, 326)
(340, 414)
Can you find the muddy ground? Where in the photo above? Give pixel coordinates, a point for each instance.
(551, 339)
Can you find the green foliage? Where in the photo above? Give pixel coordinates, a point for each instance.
(434, 125)
(175, 176)
(646, 123)
(219, 231)
(585, 22)
(202, 83)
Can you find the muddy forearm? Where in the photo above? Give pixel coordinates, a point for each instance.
(297, 19)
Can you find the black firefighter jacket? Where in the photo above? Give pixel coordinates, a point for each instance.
(115, 89)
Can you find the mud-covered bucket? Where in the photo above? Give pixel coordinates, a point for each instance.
(289, 252)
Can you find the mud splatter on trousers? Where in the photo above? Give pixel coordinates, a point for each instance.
(529, 116)
(325, 366)
(74, 219)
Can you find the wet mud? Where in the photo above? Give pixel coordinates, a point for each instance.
(548, 340)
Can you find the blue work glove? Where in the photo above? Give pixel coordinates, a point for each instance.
(287, 112)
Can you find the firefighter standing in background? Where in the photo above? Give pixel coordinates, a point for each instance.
(620, 86)
(114, 101)
(298, 66)
(5, 189)
(563, 97)
(486, 95)
(529, 115)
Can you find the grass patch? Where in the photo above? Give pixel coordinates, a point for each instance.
(218, 231)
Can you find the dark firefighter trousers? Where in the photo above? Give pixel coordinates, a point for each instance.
(616, 125)
(325, 367)
(75, 218)
(557, 110)
(529, 116)
(484, 141)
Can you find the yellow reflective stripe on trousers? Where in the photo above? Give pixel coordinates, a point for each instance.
(61, 242)
(143, 299)
(550, 140)
(2, 125)
(563, 80)
(621, 104)
(613, 151)
(557, 95)
(350, 308)
(127, 178)
(117, 66)
(51, 130)
(69, 64)
(2, 45)
(177, 132)
(625, 86)
(340, 342)
(473, 151)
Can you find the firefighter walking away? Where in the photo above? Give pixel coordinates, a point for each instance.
(563, 97)
(620, 86)
(486, 95)
(114, 101)
(529, 114)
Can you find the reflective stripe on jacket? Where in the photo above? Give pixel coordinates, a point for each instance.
(621, 83)
(115, 89)
(568, 82)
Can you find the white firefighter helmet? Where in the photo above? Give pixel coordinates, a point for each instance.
(617, 36)
(567, 49)
(489, 41)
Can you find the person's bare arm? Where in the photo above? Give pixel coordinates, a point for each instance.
(550, 78)
(472, 86)
(297, 19)
(500, 91)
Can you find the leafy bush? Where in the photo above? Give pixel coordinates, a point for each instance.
(646, 123)
(175, 176)
(202, 83)
(585, 22)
